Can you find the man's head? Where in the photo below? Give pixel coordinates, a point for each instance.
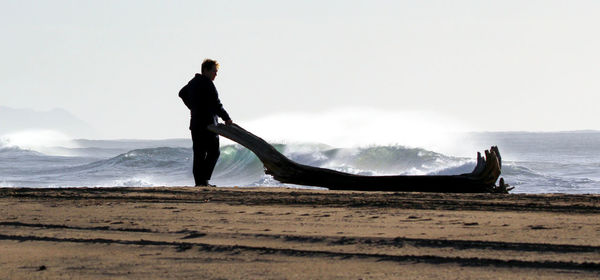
(210, 68)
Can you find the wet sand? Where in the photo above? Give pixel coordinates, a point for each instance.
(275, 233)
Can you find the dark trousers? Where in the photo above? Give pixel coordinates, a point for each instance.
(206, 154)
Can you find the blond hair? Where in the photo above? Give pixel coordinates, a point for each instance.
(208, 65)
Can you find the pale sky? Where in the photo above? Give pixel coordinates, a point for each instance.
(477, 65)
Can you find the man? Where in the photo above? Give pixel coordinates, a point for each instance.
(201, 97)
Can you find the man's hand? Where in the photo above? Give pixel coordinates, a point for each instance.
(228, 122)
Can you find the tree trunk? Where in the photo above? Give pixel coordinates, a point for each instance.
(482, 179)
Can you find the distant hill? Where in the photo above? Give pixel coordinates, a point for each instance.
(15, 120)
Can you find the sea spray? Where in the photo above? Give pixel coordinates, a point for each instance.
(49, 142)
(359, 127)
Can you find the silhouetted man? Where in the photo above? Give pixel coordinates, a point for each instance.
(201, 97)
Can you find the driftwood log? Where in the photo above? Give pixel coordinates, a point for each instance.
(482, 179)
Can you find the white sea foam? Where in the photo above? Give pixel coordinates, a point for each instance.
(132, 182)
(4, 184)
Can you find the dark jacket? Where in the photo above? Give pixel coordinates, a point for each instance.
(204, 103)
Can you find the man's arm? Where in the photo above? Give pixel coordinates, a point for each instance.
(219, 110)
(184, 94)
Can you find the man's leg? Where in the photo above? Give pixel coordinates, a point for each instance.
(212, 154)
(199, 147)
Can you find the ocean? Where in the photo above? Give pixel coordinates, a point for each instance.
(533, 162)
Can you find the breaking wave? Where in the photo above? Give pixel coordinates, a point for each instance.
(237, 166)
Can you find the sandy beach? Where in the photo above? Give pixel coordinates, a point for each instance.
(276, 233)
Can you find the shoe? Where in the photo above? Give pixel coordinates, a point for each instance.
(205, 184)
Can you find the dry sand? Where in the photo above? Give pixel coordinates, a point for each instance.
(273, 233)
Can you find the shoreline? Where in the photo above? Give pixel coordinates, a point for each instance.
(279, 233)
